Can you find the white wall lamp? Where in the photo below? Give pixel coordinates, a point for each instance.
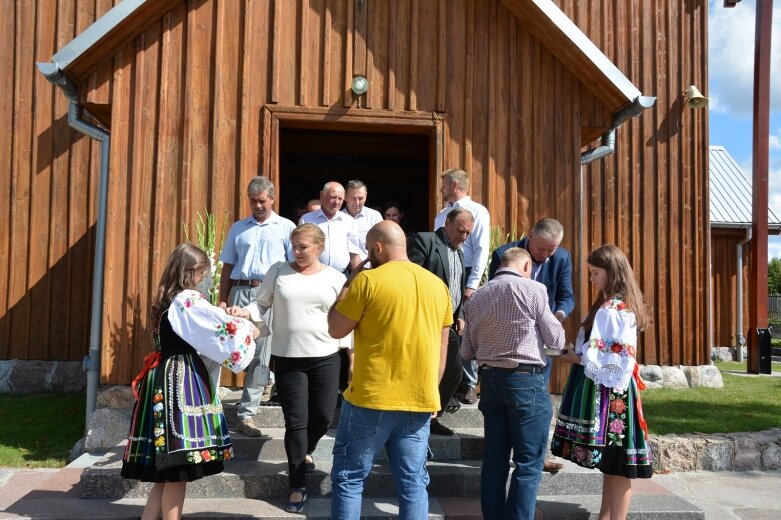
(359, 85)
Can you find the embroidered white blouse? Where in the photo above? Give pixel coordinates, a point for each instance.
(209, 330)
(609, 354)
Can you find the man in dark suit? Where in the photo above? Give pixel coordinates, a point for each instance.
(439, 252)
(551, 266)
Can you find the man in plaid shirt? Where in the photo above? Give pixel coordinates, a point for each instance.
(508, 323)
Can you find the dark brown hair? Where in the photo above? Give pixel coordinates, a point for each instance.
(621, 284)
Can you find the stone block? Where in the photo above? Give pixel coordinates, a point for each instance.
(652, 386)
(107, 428)
(710, 377)
(748, 455)
(673, 377)
(6, 369)
(693, 376)
(117, 396)
(771, 457)
(674, 453)
(651, 373)
(29, 377)
(67, 377)
(714, 453)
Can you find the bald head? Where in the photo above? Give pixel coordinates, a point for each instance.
(386, 242)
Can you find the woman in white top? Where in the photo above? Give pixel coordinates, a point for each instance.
(306, 358)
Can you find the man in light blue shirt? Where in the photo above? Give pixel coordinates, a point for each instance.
(252, 246)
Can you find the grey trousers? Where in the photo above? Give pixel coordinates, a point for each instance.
(257, 374)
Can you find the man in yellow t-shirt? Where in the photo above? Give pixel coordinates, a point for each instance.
(401, 314)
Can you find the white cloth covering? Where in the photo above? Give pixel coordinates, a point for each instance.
(209, 330)
(609, 354)
(299, 310)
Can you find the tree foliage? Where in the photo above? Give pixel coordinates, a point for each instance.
(774, 276)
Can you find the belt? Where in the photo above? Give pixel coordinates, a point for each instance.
(251, 283)
(529, 369)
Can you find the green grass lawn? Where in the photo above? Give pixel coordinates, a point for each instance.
(746, 403)
(38, 431)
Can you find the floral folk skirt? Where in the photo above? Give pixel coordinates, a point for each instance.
(178, 431)
(603, 429)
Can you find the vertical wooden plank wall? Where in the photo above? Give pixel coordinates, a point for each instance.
(651, 197)
(47, 194)
(724, 258)
(186, 98)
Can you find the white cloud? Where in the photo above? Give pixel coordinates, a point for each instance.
(731, 53)
(775, 140)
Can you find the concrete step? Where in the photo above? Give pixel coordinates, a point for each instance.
(270, 416)
(467, 443)
(258, 479)
(56, 496)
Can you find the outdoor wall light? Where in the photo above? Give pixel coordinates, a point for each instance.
(359, 85)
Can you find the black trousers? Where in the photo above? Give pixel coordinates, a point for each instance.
(454, 369)
(307, 390)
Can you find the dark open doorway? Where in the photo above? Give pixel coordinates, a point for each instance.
(395, 167)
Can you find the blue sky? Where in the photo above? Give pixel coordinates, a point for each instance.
(730, 90)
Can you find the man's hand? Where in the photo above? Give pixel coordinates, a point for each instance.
(570, 356)
(460, 324)
(354, 272)
(560, 316)
(468, 292)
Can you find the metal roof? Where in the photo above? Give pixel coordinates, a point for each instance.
(730, 193)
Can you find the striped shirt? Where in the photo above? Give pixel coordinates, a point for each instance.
(508, 322)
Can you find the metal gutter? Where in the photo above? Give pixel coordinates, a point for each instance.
(95, 32)
(608, 146)
(75, 111)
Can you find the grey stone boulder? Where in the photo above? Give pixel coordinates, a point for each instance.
(651, 373)
(67, 377)
(117, 396)
(77, 450)
(710, 377)
(674, 377)
(107, 428)
(748, 455)
(714, 453)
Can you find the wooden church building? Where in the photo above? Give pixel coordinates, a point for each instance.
(548, 104)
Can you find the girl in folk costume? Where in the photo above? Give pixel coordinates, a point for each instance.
(600, 423)
(178, 432)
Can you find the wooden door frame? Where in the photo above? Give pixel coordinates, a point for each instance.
(275, 117)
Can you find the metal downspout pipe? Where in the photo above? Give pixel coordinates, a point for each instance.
(92, 361)
(740, 339)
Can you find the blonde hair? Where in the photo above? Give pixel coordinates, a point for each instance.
(621, 283)
(515, 254)
(179, 274)
(318, 237)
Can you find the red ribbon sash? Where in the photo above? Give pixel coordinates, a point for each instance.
(150, 362)
(640, 386)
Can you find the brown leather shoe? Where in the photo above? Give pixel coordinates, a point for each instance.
(469, 397)
(552, 467)
(437, 428)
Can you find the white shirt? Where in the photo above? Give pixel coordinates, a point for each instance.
(339, 238)
(299, 310)
(477, 245)
(362, 223)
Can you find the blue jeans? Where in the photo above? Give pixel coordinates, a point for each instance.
(517, 411)
(362, 433)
